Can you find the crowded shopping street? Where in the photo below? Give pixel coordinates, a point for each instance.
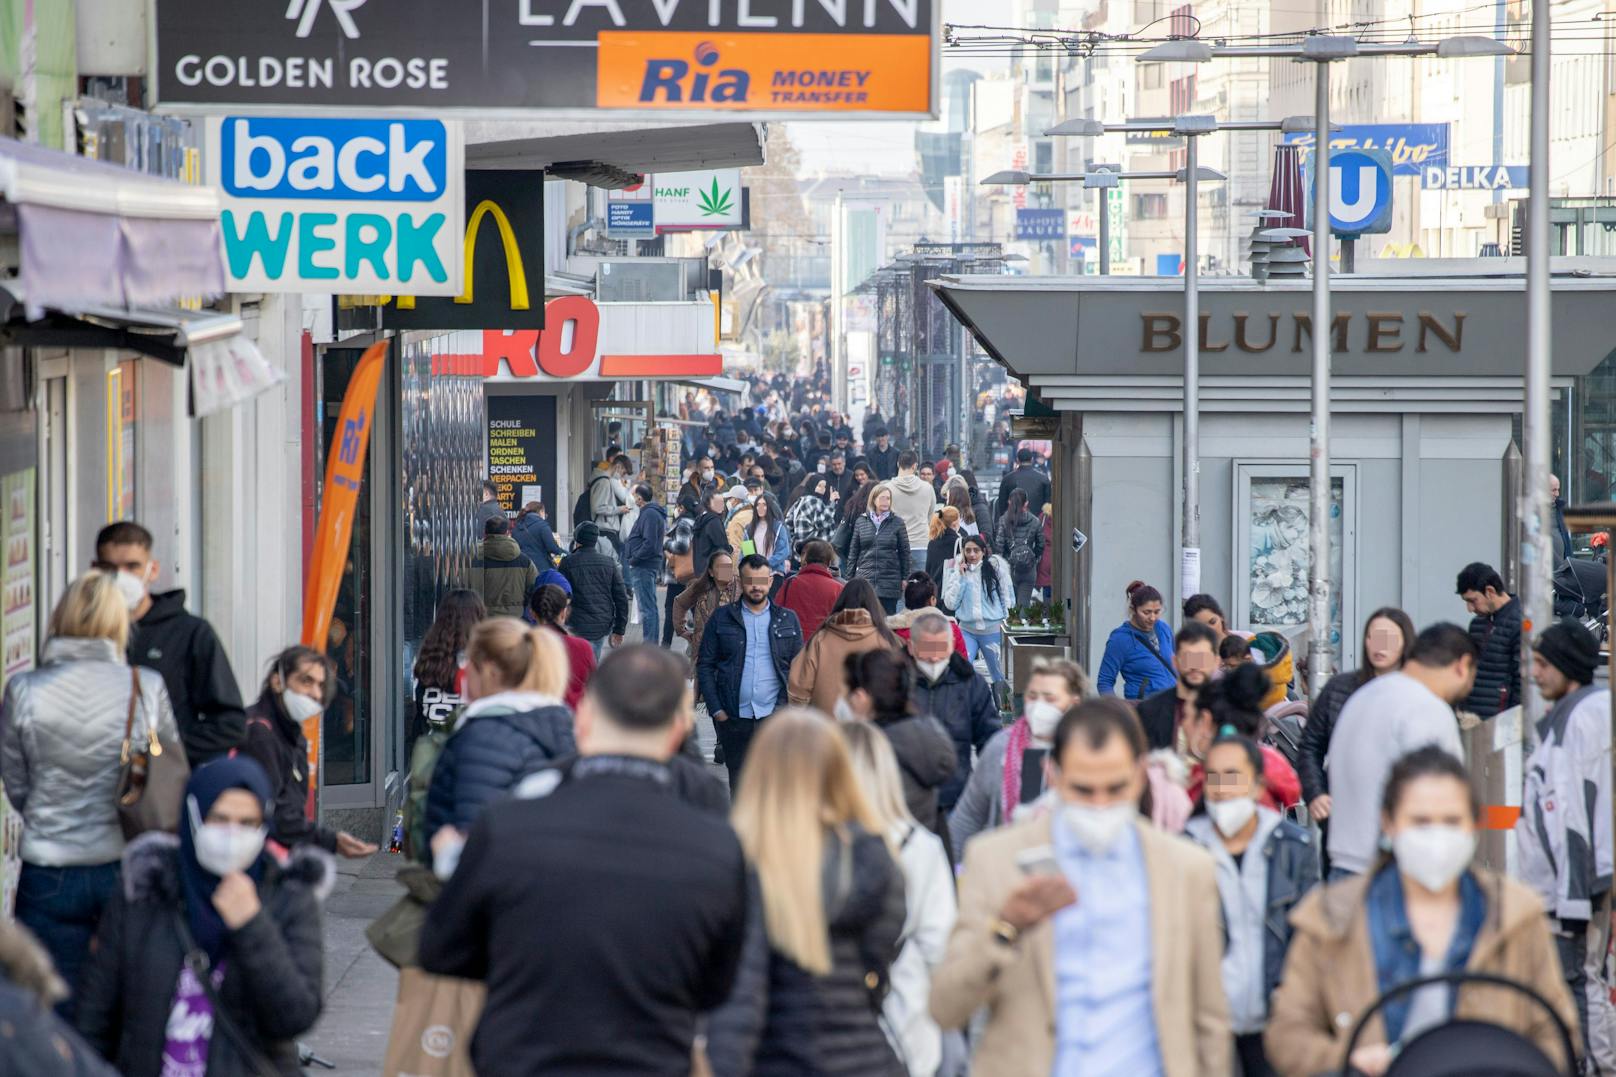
(796, 538)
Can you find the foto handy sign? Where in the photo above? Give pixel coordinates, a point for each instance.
(315, 204)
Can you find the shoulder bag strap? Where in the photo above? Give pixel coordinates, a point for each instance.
(1153, 645)
(202, 969)
(129, 718)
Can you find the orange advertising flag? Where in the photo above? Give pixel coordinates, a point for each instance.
(344, 470)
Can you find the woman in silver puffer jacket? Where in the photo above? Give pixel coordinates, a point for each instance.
(61, 741)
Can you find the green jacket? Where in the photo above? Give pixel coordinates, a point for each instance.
(503, 575)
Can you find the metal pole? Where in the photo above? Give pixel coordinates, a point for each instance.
(1537, 563)
(1318, 531)
(1189, 559)
(1105, 231)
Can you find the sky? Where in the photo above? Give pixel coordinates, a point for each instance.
(880, 146)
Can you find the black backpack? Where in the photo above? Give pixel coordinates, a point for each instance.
(580, 508)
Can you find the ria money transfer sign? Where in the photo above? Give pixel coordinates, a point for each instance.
(317, 204)
(828, 57)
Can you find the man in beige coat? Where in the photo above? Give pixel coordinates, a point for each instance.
(1094, 939)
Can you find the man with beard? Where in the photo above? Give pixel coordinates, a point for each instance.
(1195, 655)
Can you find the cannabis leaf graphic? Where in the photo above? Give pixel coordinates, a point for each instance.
(715, 202)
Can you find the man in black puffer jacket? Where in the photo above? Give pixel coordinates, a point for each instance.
(948, 689)
(1496, 630)
(599, 596)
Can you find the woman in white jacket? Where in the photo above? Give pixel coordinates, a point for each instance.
(978, 588)
(928, 895)
(61, 747)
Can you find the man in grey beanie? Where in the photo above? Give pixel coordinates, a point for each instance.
(1564, 831)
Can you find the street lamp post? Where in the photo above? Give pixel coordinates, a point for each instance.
(1189, 561)
(1191, 129)
(1321, 50)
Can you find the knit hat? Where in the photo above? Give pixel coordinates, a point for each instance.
(586, 535)
(1571, 649)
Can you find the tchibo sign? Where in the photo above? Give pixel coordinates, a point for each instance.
(369, 206)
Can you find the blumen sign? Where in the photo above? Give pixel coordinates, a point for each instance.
(315, 204)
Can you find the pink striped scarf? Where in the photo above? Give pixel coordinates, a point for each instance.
(1020, 735)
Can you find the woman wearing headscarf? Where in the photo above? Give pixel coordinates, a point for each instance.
(208, 959)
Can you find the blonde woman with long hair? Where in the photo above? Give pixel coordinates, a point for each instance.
(929, 901)
(826, 917)
(60, 749)
(513, 724)
(879, 550)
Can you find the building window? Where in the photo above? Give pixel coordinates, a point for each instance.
(1150, 76)
(1043, 156)
(1183, 21)
(1183, 95)
(1149, 207)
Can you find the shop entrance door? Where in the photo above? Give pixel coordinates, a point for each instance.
(618, 426)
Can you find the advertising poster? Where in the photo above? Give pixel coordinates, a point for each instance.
(521, 446)
(17, 632)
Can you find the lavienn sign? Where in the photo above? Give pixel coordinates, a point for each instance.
(787, 57)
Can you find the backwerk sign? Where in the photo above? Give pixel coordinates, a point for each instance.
(321, 204)
(503, 251)
(786, 57)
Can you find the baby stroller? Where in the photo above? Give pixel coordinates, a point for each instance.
(1468, 1048)
(1579, 593)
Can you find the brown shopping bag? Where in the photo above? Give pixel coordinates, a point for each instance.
(432, 1026)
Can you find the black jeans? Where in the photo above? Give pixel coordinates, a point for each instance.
(735, 736)
(1248, 1049)
(890, 605)
(675, 589)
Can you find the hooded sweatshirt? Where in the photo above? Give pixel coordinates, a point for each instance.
(913, 499)
(201, 686)
(817, 678)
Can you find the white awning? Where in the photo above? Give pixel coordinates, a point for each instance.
(97, 234)
(226, 366)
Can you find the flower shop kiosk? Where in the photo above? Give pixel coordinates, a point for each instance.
(1425, 408)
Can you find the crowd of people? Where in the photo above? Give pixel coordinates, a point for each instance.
(1179, 867)
(1163, 877)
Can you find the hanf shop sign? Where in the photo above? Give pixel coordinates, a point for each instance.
(800, 58)
(319, 204)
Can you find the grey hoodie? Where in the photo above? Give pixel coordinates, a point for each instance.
(913, 500)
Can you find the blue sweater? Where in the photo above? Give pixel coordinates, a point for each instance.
(1128, 658)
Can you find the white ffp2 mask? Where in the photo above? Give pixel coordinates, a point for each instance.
(1433, 856)
(224, 848)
